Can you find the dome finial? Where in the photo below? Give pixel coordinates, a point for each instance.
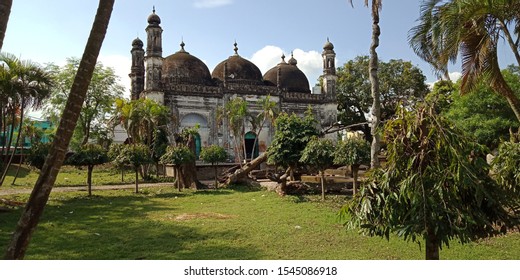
(235, 48)
(182, 45)
(153, 10)
(283, 57)
(292, 60)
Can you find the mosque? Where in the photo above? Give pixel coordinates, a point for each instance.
(183, 83)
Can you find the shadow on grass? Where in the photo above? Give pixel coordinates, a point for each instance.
(123, 227)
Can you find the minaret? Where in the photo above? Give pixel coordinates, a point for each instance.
(329, 70)
(137, 71)
(154, 59)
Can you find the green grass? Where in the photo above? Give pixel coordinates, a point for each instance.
(161, 223)
(68, 176)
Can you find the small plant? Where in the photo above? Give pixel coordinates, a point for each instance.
(89, 155)
(177, 156)
(213, 154)
(319, 153)
(353, 151)
(134, 155)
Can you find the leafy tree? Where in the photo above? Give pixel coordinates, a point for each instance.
(89, 155)
(375, 110)
(481, 114)
(441, 96)
(399, 83)
(213, 154)
(144, 121)
(319, 153)
(506, 166)
(291, 136)
(473, 29)
(177, 156)
(353, 151)
(134, 155)
(115, 150)
(5, 11)
(435, 186)
(37, 154)
(97, 108)
(36, 203)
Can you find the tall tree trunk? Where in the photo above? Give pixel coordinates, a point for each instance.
(374, 80)
(189, 170)
(19, 165)
(432, 245)
(89, 179)
(355, 170)
(10, 161)
(500, 86)
(216, 175)
(5, 11)
(137, 180)
(35, 205)
(322, 176)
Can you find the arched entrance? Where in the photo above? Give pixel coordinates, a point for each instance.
(197, 145)
(192, 120)
(249, 141)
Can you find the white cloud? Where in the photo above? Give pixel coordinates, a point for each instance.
(121, 65)
(208, 4)
(455, 76)
(309, 62)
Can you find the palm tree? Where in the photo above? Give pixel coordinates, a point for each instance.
(5, 11)
(29, 85)
(268, 113)
(374, 81)
(33, 210)
(472, 29)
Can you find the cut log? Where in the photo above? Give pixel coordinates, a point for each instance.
(241, 175)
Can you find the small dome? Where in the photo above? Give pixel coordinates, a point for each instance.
(137, 43)
(292, 60)
(238, 69)
(291, 77)
(328, 46)
(153, 18)
(182, 67)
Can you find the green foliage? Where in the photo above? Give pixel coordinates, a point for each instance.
(89, 154)
(37, 154)
(318, 153)
(134, 155)
(506, 166)
(352, 151)
(482, 114)
(435, 183)
(291, 136)
(213, 154)
(235, 112)
(177, 155)
(399, 81)
(97, 108)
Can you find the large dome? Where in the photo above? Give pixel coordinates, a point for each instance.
(291, 77)
(182, 67)
(237, 69)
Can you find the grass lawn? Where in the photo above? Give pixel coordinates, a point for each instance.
(161, 223)
(68, 176)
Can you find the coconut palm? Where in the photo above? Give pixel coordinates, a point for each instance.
(471, 29)
(375, 6)
(33, 210)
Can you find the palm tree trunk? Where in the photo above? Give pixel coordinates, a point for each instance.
(35, 205)
(374, 80)
(19, 165)
(216, 176)
(15, 143)
(500, 86)
(5, 11)
(509, 39)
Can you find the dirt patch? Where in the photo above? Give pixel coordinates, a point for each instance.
(193, 216)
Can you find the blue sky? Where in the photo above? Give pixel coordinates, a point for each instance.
(51, 31)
